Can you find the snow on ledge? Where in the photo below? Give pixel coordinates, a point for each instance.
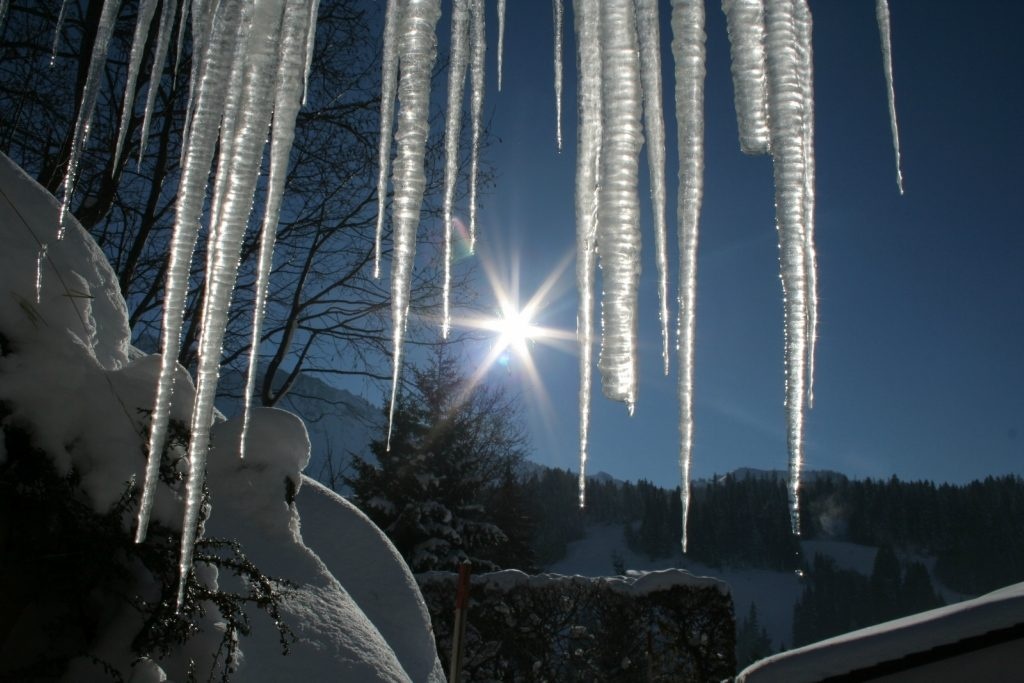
(634, 582)
(999, 611)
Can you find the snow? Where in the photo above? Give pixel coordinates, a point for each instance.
(355, 611)
(774, 592)
(895, 639)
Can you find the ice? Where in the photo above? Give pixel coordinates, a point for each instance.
(147, 8)
(804, 43)
(56, 30)
(654, 121)
(786, 115)
(501, 38)
(206, 113)
(388, 89)
(418, 50)
(745, 21)
(456, 85)
(238, 166)
(558, 12)
(587, 171)
(289, 90)
(618, 230)
(689, 53)
(885, 32)
(88, 102)
(159, 57)
(477, 51)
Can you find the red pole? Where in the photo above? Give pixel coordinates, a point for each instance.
(459, 628)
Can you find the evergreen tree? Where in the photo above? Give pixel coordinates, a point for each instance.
(752, 641)
(447, 490)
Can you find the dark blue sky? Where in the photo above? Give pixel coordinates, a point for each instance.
(920, 369)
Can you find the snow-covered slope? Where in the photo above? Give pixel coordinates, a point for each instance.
(69, 378)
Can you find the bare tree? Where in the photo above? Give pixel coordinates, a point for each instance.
(326, 314)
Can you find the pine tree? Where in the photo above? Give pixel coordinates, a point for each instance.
(447, 490)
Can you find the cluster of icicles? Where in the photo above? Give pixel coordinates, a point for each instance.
(250, 64)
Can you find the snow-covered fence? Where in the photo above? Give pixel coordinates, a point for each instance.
(651, 626)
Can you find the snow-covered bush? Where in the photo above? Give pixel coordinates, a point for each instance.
(666, 625)
(70, 573)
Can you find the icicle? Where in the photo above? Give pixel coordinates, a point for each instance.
(388, 88)
(805, 45)
(238, 169)
(501, 38)
(310, 43)
(89, 94)
(654, 121)
(689, 53)
(163, 42)
(618, 232)
(588, 153)
(745, 20)
(885, 32)
(289, 90)
(786, 120)
(40, 257)
(558, 17)
(202, 25)
(3, 11)
(209, 105)
(147, 8)
(456, 86)
(418, 49)
(56, 31)
(478, 49)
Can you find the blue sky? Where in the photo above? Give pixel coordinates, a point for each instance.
(920, 370)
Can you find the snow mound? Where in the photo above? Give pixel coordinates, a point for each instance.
(79, 295)
(71, 380)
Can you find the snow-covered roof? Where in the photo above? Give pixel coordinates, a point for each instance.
(983, 631)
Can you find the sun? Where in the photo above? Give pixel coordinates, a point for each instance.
(515, 329)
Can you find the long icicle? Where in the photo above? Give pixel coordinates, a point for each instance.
(786, 116)
(688, 18)
(654, 123)
(289, 90)
(806, 47)
(207, 111)
(238, 168)
(147, 8)
(885, 32)
(456, 87)
(388, 90)
(418, 50)
(90, 92)
(501, 39)
(159, 57)
(56, 30)
(558, 19)
(618, 231)
(745, 22)
(477, 52)
(588, 154)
